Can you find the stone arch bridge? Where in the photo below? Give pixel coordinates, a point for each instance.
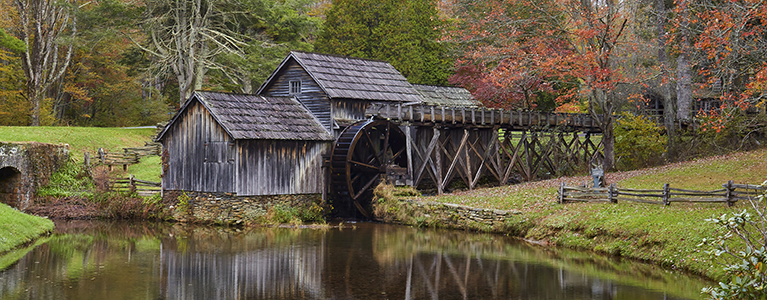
(26, 166)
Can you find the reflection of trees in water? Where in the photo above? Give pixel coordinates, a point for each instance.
(371, 261)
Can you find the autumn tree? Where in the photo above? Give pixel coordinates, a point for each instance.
(502, 45)
(722, 46)
(404, 33)
(47, 28)
(551, 41)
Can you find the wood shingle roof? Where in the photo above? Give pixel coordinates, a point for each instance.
(354, 78)
(447, 96)
(260, 117)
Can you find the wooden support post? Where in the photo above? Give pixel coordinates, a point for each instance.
(131, 183)
(729, 193)
(438, 169)
(467, 156)
(432, 113)
(422, 114)
(666, 195)
(409, 149)
(612, 194)
(410, 109)
(562, 193)
(453, 111)
(483, 116)
(399, 111)
(443, 114)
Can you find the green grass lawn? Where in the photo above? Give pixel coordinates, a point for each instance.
(17, 228)
(667, 235)
(80, 139)
(90, 139)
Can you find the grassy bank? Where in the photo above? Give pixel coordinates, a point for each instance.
(666, 235)
(90, 139)
(17, 228)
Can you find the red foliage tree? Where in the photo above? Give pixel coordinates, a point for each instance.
(527, 46)
(727, 43)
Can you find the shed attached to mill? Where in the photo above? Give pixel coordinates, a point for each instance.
(245, 145)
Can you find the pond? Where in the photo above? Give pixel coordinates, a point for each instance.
(128, 260)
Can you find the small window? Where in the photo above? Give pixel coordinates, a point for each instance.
(295, 87)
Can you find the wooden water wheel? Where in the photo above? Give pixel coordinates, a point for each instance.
(362, 155)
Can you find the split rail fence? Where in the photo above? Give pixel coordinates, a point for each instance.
(140, 187)
(729, 194)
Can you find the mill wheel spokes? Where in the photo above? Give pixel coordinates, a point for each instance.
(368, 149)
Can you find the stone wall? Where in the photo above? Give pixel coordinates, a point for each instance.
(228, 208)
(446, 215)
(25, 166)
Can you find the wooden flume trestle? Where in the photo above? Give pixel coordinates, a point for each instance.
(421, 115)
(472, 145)
(438, 148)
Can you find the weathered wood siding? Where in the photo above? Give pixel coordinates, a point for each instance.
(348, 109)
(312, 96)
(279, 167)
(200, 153)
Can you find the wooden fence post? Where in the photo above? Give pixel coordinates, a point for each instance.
(87, 164)
(666, 194)
(729, 193)
(611, 194)
(562, 193)
(131, 184)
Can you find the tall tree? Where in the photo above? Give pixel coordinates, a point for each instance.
(404, 33)
(666, 78)
(47, 28)
(185, 37)
(721, 48)
(270, 30)
(578, 39)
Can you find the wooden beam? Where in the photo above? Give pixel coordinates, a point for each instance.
(455, 160)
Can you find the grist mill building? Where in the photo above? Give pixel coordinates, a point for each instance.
(230, 156)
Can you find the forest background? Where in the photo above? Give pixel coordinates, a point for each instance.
(132, 62)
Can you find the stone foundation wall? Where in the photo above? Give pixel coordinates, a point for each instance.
(228, 208)
(447, 215)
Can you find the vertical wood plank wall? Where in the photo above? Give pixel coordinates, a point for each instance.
(311, 95)
(199, 153)
(278, 167)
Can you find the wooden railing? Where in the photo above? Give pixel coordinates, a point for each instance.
(140, 187)
(730, 194)
(481, 116)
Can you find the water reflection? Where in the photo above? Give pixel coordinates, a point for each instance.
(90, 260)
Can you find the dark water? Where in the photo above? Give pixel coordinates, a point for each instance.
(96, 260)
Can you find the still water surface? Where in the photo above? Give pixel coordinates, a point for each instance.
(107, 260)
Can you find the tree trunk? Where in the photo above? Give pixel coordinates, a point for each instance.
(41, 25)
(683, 87)
(608, 141)
(604, 99)
(669, 103)
(683, 73)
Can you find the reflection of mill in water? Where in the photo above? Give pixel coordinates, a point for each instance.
(289, 272)
(322, 270)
